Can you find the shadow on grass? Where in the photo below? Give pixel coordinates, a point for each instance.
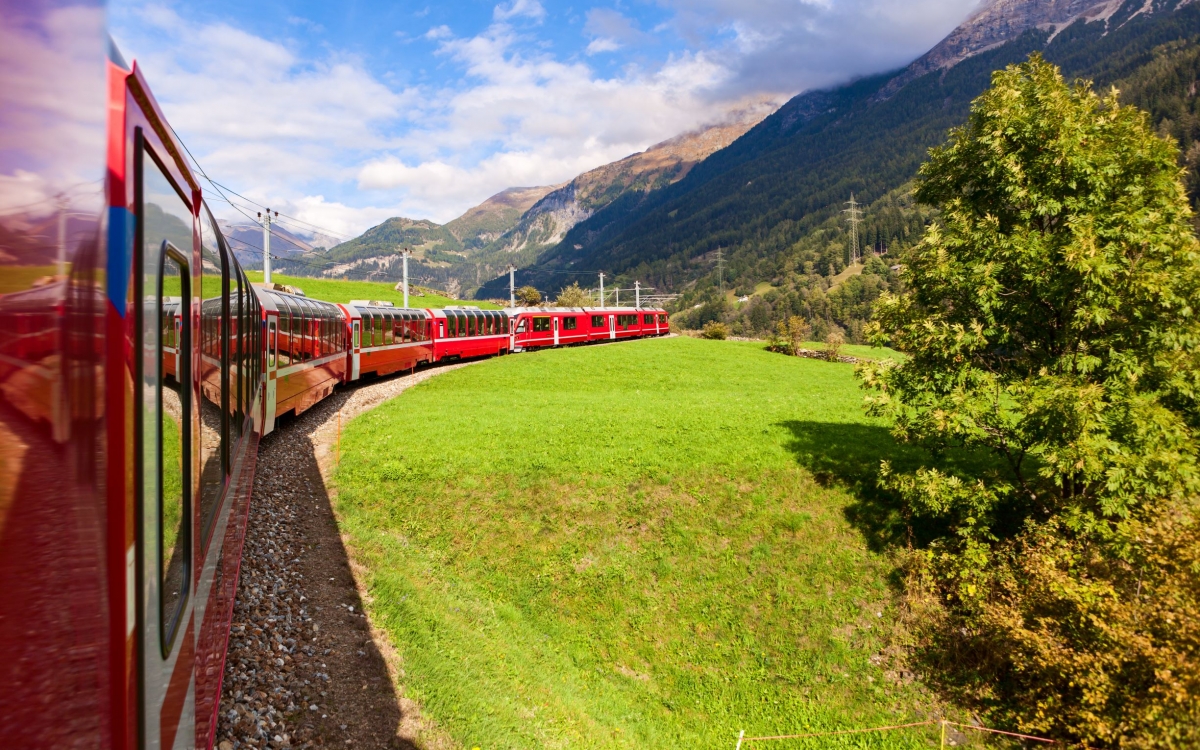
(850, 454)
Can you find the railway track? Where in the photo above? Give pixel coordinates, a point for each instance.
(304, 667)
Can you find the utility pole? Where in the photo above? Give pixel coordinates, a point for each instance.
(602, 290)
(721, 272)
(854, 216)
(266, 225)
(637, 294)
(404, 257)
(617, 301)
(512, 285)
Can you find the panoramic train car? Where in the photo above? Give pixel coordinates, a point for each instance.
(536, 327)
(307, 351)
(130, 363)
(386, 339)
(465, 332)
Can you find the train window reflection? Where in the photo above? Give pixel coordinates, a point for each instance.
(214, 373)
(166, 229)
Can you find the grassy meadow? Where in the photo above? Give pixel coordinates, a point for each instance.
(336, 290)
(645, 544)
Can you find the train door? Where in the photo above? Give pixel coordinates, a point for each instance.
(166, 455)
(355, 347)
(612, 326)
(272, 366)
(556, 330)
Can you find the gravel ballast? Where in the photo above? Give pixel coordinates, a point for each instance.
(304, 667)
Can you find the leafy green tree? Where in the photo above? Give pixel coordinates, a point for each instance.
(528, 296)
(1050, 319)
(573, 296)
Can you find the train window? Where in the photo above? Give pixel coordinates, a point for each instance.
(472, 324)
(648, 320)
(521, 326)
(541, 324)
(214, 374)
(597, 321)
(570, 323)
(272, 343)
(662, 319)
(166, 408)
(237, 324)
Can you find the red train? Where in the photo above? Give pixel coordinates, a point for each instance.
(138, 371)
(312, 346)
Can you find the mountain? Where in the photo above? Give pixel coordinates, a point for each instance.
(547, 222)
(516, 224)
(375, 254)
(488, 221)
(246, 239)
(771, 202)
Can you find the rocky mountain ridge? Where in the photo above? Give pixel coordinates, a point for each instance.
(999, 21)
(547, 222)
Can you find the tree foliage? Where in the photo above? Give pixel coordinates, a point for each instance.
(528, 296)
(1051, 321)
(573, 296)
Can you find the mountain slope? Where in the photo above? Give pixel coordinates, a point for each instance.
(546, 223)
(376, 253)
(761, 196)
(488, 221)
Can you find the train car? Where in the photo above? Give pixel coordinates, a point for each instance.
(537, 327)
(385, 339)
(130, 389)
(467, 332)
(307, 352)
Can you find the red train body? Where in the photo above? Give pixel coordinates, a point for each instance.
(138, 371)
(130, 406)
(542, 327)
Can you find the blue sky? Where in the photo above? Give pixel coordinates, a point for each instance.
(346, 113)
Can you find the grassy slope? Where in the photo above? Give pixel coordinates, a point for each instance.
(627, 545)
(334, 290)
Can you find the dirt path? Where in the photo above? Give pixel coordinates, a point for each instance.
(304, 667)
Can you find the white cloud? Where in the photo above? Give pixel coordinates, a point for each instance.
(794, 45)
(610, 30)
(528, 8)
(331, 142)
(603, 44)
(531, 119)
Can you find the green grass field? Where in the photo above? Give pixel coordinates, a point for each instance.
(334, 290)
(646, 544)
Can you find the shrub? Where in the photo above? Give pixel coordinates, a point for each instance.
(528, 296)
(833, 345)
(573, 296)
(715, 330)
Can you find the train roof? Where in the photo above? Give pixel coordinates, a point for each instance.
(514, 311)
(271, 299)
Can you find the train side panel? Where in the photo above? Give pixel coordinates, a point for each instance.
(60, 638)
